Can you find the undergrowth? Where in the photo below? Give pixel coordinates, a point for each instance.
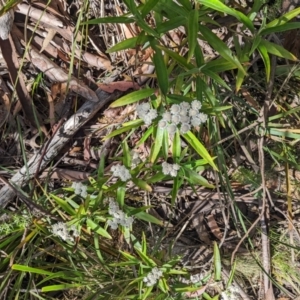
(194, 124)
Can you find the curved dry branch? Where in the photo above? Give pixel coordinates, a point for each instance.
(40, 160)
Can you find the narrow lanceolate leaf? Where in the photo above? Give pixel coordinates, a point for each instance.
(30, 270)
(192, 23)
(199, 148)
(220, 46)
(219, 6)
(278, 50)
(217, 262)
(133, 97)
(176, 149)
(97, 228)
(266, 59)
(157, 145)
(142, 184)
(160, 69)
(285, 18)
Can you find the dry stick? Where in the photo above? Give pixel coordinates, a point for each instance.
(10, 56)
(58, 141)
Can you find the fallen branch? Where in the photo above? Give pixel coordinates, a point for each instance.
(40, 160)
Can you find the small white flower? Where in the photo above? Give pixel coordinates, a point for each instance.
(176, 119)
(172, 129)
(121, 172)
(167, 116)
(162, 124)
(196, 121)
(203, 117)
(135, 159)
(174, 170)
(193, 112)
(175, 109)
(185, 119)
(185, 127)
(185, 105)
(196, 104)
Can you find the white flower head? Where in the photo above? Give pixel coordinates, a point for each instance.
(163, 124)
(176, 119)
(185, 119)
(121, 172)
(196, 104)
(170, 169)
(135, 159)
(196, 121)
(119, 217)
(153, 276)
(172, 129)
(185, 127)
(167, 116)
(66, 233)
(203, 117)
(175, 109)
(185, 105)
(193, 112)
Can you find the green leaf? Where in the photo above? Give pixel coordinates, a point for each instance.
(216, 78)
(176, 149)
(106, 20)
(97, 228)
(195, 179)
(219, 6)
(130, 43)
(178, 58)
(175, 188)
(220, 46)
(148, 218)
(59, 287)
(127, 156)
(118, 131)
(160, 69)
(149, 5)
(266, 59)
(23, 268)
(147, 260)
(280, 28)
(192, 24)
(155, 149)
(121, 195)
(285, 18)
(217, 262)
(278, 50)
(199, 148)
(64, 205)
(170, 24)
(132, 97)
(142, 184)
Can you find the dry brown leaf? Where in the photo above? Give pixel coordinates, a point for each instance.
(122, 86)
(51, 33)
(87, 148)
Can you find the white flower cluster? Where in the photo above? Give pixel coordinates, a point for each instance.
(121, 172)
(80, 189)
(232, 293)
(146, 113)
(170, 169)
(153, 276)
(184, 114)
(119, 217)
(64, 232)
